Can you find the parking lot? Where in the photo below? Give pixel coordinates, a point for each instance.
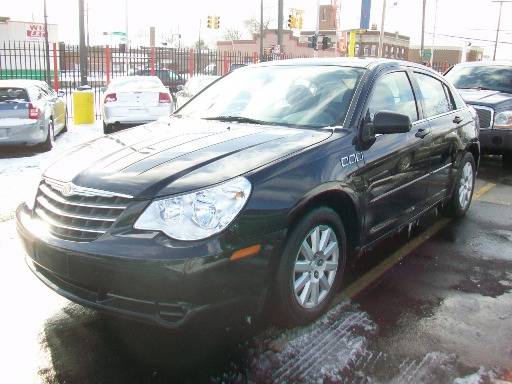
(429, 305)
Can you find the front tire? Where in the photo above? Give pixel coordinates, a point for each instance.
(459, 202)
(311, 267)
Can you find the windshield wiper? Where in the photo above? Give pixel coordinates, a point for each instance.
(479, 88)
(239, 119)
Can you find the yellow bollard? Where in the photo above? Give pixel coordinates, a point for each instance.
(83, 106)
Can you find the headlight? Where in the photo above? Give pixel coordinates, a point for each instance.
(30, 194)
(199, 214)
(503, 120)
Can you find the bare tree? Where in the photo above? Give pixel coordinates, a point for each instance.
(232, 34)
(253, 25)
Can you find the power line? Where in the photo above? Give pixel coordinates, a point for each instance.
(469, 38)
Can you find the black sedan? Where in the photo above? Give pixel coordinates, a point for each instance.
(487, 86)
(261, 189)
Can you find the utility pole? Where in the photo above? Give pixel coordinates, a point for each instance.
(498, 27)
(422, 47)
(87, 22)
(280, 24)
(261, 30)
(381, 36)
(126, 22)
(46, 45)
(83, 47)
(433, 37)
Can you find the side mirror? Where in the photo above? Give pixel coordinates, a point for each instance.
(387, 122)
(61, 93)
(180, 87)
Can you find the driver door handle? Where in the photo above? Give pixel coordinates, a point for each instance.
(457, 120)
(422, 132)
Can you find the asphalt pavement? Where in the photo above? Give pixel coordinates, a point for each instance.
(433, 305)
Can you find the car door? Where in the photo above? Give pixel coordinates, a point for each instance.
(444, 119)
(396, 168)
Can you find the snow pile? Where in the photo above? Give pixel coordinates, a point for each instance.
(20, 169)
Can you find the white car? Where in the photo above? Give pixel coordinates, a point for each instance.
(133, 100)
(192, 87)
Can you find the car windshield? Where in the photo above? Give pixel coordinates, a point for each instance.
(493, 77)
(13, 95)
(195, 84)
(140, 82)
(314, 96)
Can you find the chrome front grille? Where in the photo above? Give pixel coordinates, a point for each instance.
(485, 115)
(77, 213)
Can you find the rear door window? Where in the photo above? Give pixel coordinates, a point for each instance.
(435, 99)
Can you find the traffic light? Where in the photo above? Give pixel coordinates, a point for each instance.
(292, 21)
(326, 43)
(213, 22)
(312, 41)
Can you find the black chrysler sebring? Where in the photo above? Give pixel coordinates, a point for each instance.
(260, 190)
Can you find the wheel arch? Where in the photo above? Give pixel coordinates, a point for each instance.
(343, 201)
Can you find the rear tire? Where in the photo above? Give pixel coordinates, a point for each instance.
(311, 267)
(107, 128)
(47, 145)
(459, 202)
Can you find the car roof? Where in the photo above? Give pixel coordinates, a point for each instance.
(484, 63)
(369, 63)
(21, 83)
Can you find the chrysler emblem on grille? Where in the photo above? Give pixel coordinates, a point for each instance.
(67, 189)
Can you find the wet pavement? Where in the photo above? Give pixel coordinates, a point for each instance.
(442, 314)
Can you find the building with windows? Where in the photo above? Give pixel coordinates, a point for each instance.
(395, 45)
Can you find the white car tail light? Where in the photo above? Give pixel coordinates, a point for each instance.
(33, 112)
(164, 97)
(111, 97)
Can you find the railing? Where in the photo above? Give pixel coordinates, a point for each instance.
(27, 60)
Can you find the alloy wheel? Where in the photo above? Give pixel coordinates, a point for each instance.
(466, 185)
(315, 266)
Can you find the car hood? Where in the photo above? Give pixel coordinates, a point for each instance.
(178, 155)
(486, 97)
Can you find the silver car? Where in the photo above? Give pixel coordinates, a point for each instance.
(30, 113)
(134, 100)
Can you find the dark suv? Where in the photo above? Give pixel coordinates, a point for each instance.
(487, 86)
(262, 188)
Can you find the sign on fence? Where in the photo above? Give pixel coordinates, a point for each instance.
(35, 31)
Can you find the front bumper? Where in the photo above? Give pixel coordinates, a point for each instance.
(160, 284)
(496, 141)
(22, 131)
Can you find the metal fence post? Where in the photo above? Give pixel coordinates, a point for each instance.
(55, 69)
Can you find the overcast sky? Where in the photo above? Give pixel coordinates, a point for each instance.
(474, 19)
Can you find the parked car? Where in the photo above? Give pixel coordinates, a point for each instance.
(134, 100)
(487, 86)
(30, 113)
(192, 87)
(261, 189)
(168, 77)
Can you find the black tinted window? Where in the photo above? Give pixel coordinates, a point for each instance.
(494, 77)
(435, 100)
(8, 94)
(393, 92)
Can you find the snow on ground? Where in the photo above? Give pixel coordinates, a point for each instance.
(339, 348)
(21, 168)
